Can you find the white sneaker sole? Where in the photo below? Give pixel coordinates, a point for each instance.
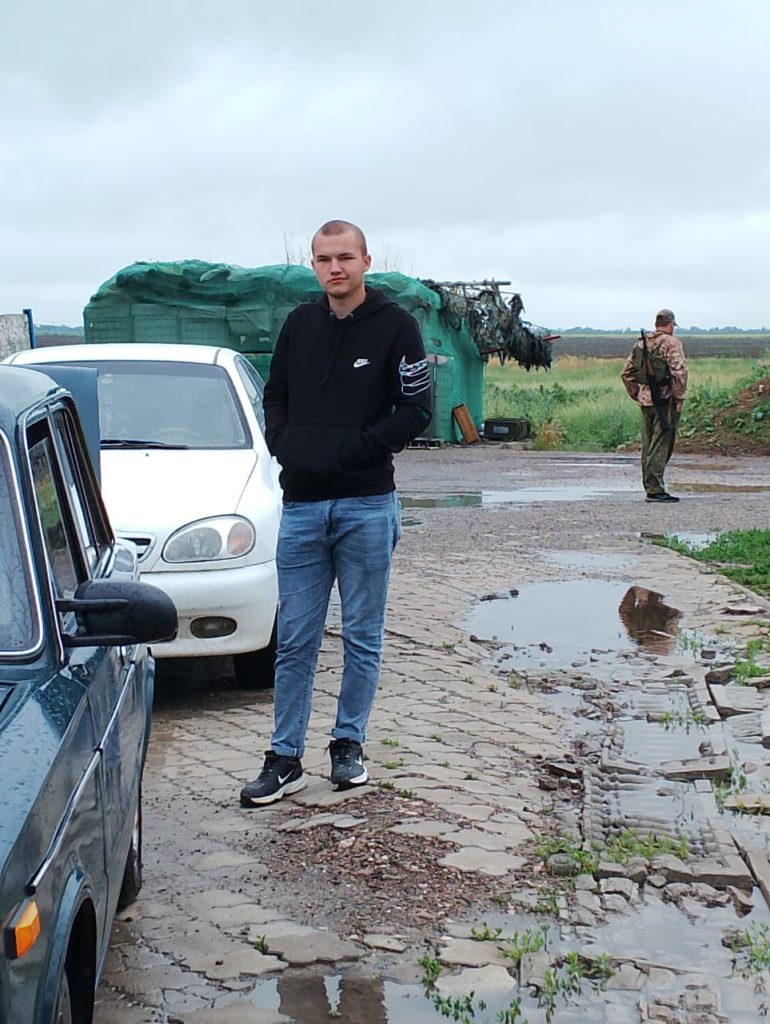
(271, 798)
(359, 780)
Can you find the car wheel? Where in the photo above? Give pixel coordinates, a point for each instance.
(63, 1012)
(132, 875)
(255, 670)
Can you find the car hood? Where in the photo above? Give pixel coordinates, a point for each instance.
(159, 491)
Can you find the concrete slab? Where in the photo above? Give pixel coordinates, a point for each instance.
(488, 862)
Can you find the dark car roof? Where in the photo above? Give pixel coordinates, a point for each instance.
(19, 389)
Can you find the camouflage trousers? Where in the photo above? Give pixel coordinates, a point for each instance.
(657, 447)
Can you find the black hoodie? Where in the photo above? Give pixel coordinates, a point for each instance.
(343, 395)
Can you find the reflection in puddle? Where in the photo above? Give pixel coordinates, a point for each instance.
(555, 622)
(349, 999)
(649, 622)
(520, 496)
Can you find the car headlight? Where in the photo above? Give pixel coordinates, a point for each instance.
(210, 540)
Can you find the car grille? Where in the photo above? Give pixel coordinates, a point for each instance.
(144, 545)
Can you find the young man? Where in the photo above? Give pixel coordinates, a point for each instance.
(348, 386)
(659, 421)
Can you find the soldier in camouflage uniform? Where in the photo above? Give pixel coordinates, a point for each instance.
(657, 441)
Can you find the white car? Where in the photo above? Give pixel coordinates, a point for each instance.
(187, 476)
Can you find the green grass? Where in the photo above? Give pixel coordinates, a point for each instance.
(580, 403)
(741, 555)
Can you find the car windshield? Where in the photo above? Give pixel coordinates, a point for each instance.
(17, 615)
(168, 405)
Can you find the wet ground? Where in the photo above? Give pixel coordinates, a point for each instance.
(553, 685)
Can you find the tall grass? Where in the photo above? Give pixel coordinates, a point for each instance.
(581, 403)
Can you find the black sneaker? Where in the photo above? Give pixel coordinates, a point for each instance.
(347, 764)
(280, 775)
(662, 496)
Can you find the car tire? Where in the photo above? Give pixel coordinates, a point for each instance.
(255, 670)
(132, 875)
(63, 1011)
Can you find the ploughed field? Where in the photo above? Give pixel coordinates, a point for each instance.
(615, 346)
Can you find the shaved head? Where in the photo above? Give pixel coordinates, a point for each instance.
(339, 227)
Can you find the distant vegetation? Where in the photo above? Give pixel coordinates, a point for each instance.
(580, 403)
(57, 329)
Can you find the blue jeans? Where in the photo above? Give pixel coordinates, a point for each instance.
(350, 540)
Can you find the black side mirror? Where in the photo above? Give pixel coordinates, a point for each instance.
(118, 612)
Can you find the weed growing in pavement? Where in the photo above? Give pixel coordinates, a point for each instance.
(512, 1015)
(620, 849)
(390, 742)
(443, 764)
(586, 860)
(687, 719)
(737, 784)
(407, 794)
(261, 944)
(530, 940)
(486, 934)
(449, 645)
(690, 640)
(548, 900)
(751, 958)
(385, 784)
(458, 1008)
(436, 738)
(492, 687)
(628, 843)
(431, 968)
(599, 967)
(504, 898)
(392, 765)
(748, 668)
(469, 777)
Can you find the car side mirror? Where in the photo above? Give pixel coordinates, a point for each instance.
(119, 612)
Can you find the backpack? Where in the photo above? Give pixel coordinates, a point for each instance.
(658, 367)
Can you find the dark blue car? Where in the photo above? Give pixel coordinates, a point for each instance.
(75, 700)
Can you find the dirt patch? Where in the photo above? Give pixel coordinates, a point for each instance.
(742, 428)
(367, 878)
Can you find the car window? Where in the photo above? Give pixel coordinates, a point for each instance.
(19, 628)
(167, 403)
(87, 514)
(52, 503)
(255, 388)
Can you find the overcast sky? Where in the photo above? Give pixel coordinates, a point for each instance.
(607, 158)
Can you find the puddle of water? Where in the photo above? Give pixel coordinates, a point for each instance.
(586, 560)
(553, 623)
(520, 496)
(353, 998)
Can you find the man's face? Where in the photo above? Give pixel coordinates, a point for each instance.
(339, 264)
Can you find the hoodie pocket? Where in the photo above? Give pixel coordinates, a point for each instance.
(314, 451)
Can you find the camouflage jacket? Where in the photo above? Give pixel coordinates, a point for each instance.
(670, 347)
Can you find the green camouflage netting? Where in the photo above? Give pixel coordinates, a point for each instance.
(494, 324)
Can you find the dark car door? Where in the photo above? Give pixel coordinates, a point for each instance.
(80, 546)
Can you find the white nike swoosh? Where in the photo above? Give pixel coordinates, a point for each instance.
(282, 780)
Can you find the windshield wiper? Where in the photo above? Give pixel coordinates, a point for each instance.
(130, 442)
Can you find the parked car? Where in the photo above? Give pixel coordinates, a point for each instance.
(187, 476)
(76, 685)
